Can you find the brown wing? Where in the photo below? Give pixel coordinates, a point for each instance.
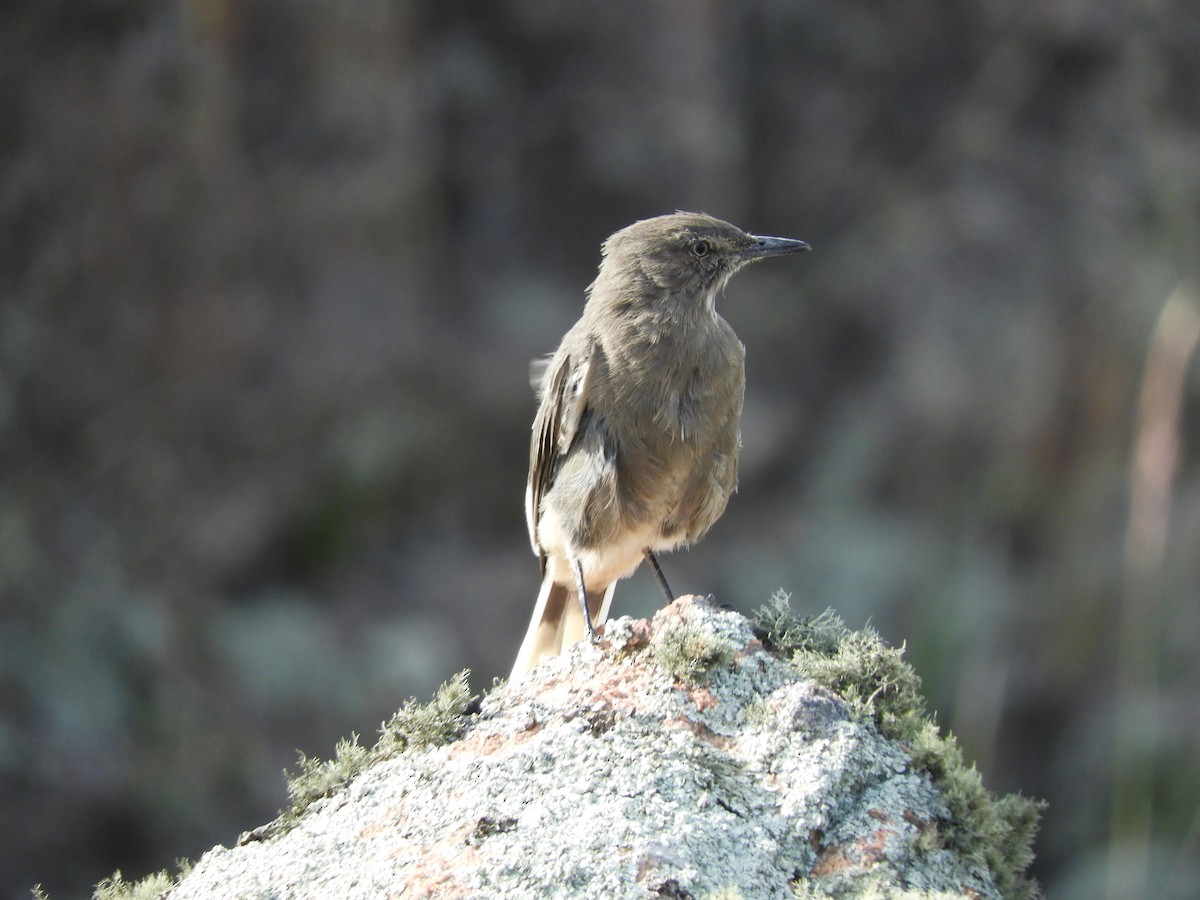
(564, 385)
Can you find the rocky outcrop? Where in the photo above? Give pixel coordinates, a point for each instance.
(687, 756)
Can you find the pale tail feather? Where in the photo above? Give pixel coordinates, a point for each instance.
(572, 626)
(557, 623)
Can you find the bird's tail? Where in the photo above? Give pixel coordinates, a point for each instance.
(558, 622)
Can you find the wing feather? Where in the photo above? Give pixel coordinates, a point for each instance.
(564, 383)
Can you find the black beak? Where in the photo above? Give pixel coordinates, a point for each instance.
(773, 246)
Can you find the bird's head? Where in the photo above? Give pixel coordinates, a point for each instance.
(689, 254)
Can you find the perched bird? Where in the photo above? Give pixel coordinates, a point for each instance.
(635, 442)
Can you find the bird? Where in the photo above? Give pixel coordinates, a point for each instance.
(634, 447)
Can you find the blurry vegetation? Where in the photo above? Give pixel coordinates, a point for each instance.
(271, 274)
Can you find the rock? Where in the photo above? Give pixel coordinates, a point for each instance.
(678, 758)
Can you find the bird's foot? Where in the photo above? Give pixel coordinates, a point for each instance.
(589, 630)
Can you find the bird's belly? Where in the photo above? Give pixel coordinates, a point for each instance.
(602, 564)
(683, 490)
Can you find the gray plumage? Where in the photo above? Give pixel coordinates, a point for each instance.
(635, 442)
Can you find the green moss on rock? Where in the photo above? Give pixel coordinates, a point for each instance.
(414, 725)
(991, 831)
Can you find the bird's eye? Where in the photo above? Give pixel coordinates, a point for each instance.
(701, 249)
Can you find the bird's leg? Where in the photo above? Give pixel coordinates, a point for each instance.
(588, 628)
(659, 576)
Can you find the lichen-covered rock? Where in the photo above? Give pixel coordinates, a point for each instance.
(678, 758)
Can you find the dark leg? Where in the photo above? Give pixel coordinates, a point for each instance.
(658, 574)
(588, 628)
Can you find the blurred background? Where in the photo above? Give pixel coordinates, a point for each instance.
(272, 273)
